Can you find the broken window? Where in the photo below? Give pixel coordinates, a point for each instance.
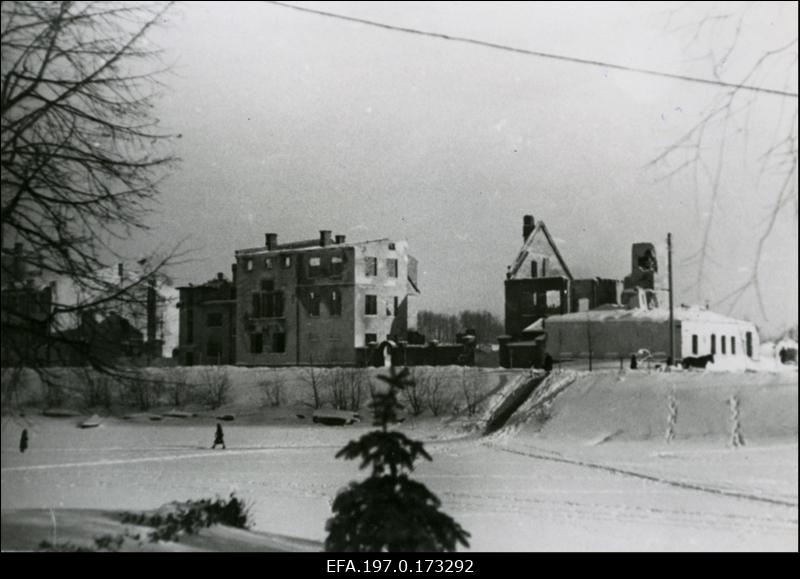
(272, 304)
(371, 305)
(388, 303)
(268, 263)
(370, 339)
(337, 265)
(314, 266)
(694, 343)
(279, 342)
(256, 343)
(256, 309)
(335, 304)
(214, 319)
(313, 303)
(647, 261)
(371, 266)
(553, 298)
(213, 350)
(391, 267)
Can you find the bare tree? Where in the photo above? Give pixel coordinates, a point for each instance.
(435, 391)
(314, 378)
(718, 37)
(414, 395)
(273, 389)
(82, 162)
(470, 389)
(345, 387)
(217, 386)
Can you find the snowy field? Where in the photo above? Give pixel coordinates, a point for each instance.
(594, 462)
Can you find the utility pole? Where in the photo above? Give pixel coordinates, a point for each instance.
(671, 304)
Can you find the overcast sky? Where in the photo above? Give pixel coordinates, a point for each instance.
(294, 122)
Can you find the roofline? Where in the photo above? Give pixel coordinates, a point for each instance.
(529, 240)
(555, 249)
(280, 249)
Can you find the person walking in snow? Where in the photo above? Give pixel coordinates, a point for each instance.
(219, 437)
(23, 440)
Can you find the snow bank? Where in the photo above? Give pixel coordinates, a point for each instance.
(596, 407)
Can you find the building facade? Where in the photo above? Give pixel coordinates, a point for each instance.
(616, 333)
(207, 323)
(538, 285)
(319, 301)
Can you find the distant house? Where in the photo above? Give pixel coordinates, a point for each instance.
(207, 323)
(539, 284)
(617, 332)
(48, 319)
(27, 310)
(323, 300)
(641, 323)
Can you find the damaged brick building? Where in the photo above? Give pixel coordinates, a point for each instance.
(539, 284)
(207, 323)
(323, 300)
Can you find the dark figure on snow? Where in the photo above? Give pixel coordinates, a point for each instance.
(219, 437)
(697, 362)
(23, 440)
(634, 363)
(548, 363)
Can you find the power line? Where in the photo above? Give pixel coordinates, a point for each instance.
(535, 52)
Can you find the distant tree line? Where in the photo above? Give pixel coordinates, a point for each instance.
(444, 327)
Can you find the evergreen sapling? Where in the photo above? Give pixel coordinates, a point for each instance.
(388, 511)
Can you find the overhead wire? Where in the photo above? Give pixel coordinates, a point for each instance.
(537, 53)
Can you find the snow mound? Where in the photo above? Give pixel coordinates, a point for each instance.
(598, 407)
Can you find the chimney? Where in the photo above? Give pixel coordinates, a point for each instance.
(325, 237)
(528, 225)
(340, 239)
(271, 241)
(220, 276)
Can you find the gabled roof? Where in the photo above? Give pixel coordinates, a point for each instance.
(525, 250)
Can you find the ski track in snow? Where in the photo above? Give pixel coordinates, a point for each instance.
(207, 454)
(651, 478)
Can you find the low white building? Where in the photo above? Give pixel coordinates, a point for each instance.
(614, 332)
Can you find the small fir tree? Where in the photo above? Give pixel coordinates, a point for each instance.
(388, 511)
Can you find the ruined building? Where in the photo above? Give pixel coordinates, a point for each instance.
(539, 284)
(207, 323)
(640, 325)
(322, 301)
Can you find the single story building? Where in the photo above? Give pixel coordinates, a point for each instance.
(614, 332)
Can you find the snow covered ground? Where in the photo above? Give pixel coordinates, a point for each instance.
(607, 461)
